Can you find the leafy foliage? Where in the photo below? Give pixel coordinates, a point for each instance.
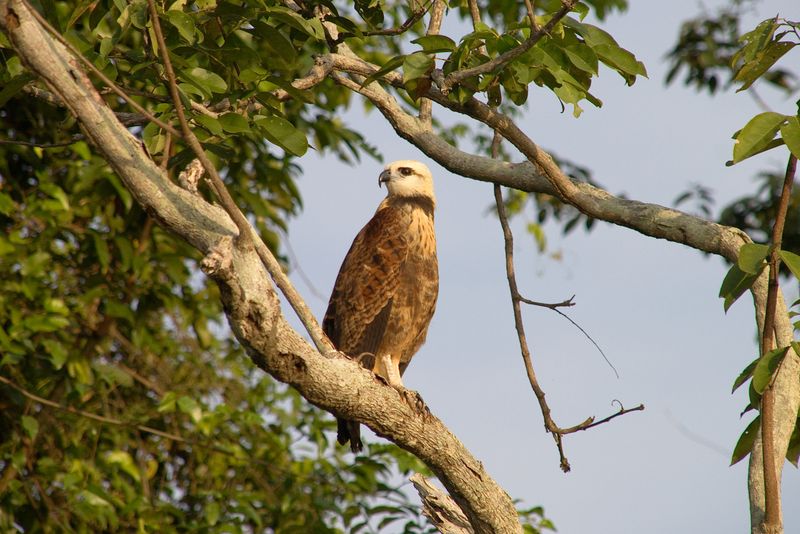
(125, 403)
(101, 312)
(710, 51)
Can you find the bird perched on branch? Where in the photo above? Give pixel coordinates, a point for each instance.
(385, 294)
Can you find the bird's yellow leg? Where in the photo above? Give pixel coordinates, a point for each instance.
(389, 371)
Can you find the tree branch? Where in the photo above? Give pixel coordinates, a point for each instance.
(772, 490)
(247, 235)
(334, 383)
(434, 25)
(439, 508)
(516, 299)
(448, 82)
(649, 219)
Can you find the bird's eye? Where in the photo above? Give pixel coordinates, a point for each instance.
(406, 171)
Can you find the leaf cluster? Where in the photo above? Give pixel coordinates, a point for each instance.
(710, 54)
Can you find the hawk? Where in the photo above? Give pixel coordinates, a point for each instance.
(385, 294)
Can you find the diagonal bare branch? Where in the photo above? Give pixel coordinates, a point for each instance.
(334, 383)
(247, 236)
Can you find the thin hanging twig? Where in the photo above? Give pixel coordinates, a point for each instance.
(516, 299)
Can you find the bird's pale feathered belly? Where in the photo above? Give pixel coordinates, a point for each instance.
(415, 300)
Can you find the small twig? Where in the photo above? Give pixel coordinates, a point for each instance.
(434, 25)
(531, 8)
(415, 17)
(106, 80)
(516, 299)
(41, 145)
(622, 411)
(246, 232)
(772, 495)
(456, 77)
(125, 424)
(569, 302)
(552, 306)
(92, 416)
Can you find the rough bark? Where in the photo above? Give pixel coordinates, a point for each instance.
(335, 383)
(648, 219)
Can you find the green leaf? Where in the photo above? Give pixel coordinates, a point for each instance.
(190, 407)
(183, 23)
(371, 11)
(58, 194)
(416, 69)
(756, 134)
(168, 403)
(744, 375)
(209, 123)
(283, 133)
(14, 86)
(792, 261)
(416, 65)
(58, 354)
(593, 35)
(582, 57)
(124, 461)
(735, 283)
(122, 191)
(35, 264)
(387, 67)
(103, 254)
(7, 204)
(751, 258)
(765, 58)
(790, 132)
(212, 512)
(234, 123)
(279, 45)
(312, 27)
(755, 40)
(765, 368)
(205, 80)
(30, 425)
(621, 59)
(57, 306)
(435, 43)
(746, 440)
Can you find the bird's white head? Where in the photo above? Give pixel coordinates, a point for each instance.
(408, 178)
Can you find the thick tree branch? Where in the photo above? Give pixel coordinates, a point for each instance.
(335, 383)
(649, 219)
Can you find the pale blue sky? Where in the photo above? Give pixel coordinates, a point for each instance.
(651, 305)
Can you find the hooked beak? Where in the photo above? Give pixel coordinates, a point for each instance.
(385, 176)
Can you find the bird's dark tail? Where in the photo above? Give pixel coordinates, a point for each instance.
(349, 431)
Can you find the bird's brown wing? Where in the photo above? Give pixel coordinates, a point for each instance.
(361, 301)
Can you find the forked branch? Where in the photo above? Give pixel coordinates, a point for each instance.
(549, 423)
(247, 236)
